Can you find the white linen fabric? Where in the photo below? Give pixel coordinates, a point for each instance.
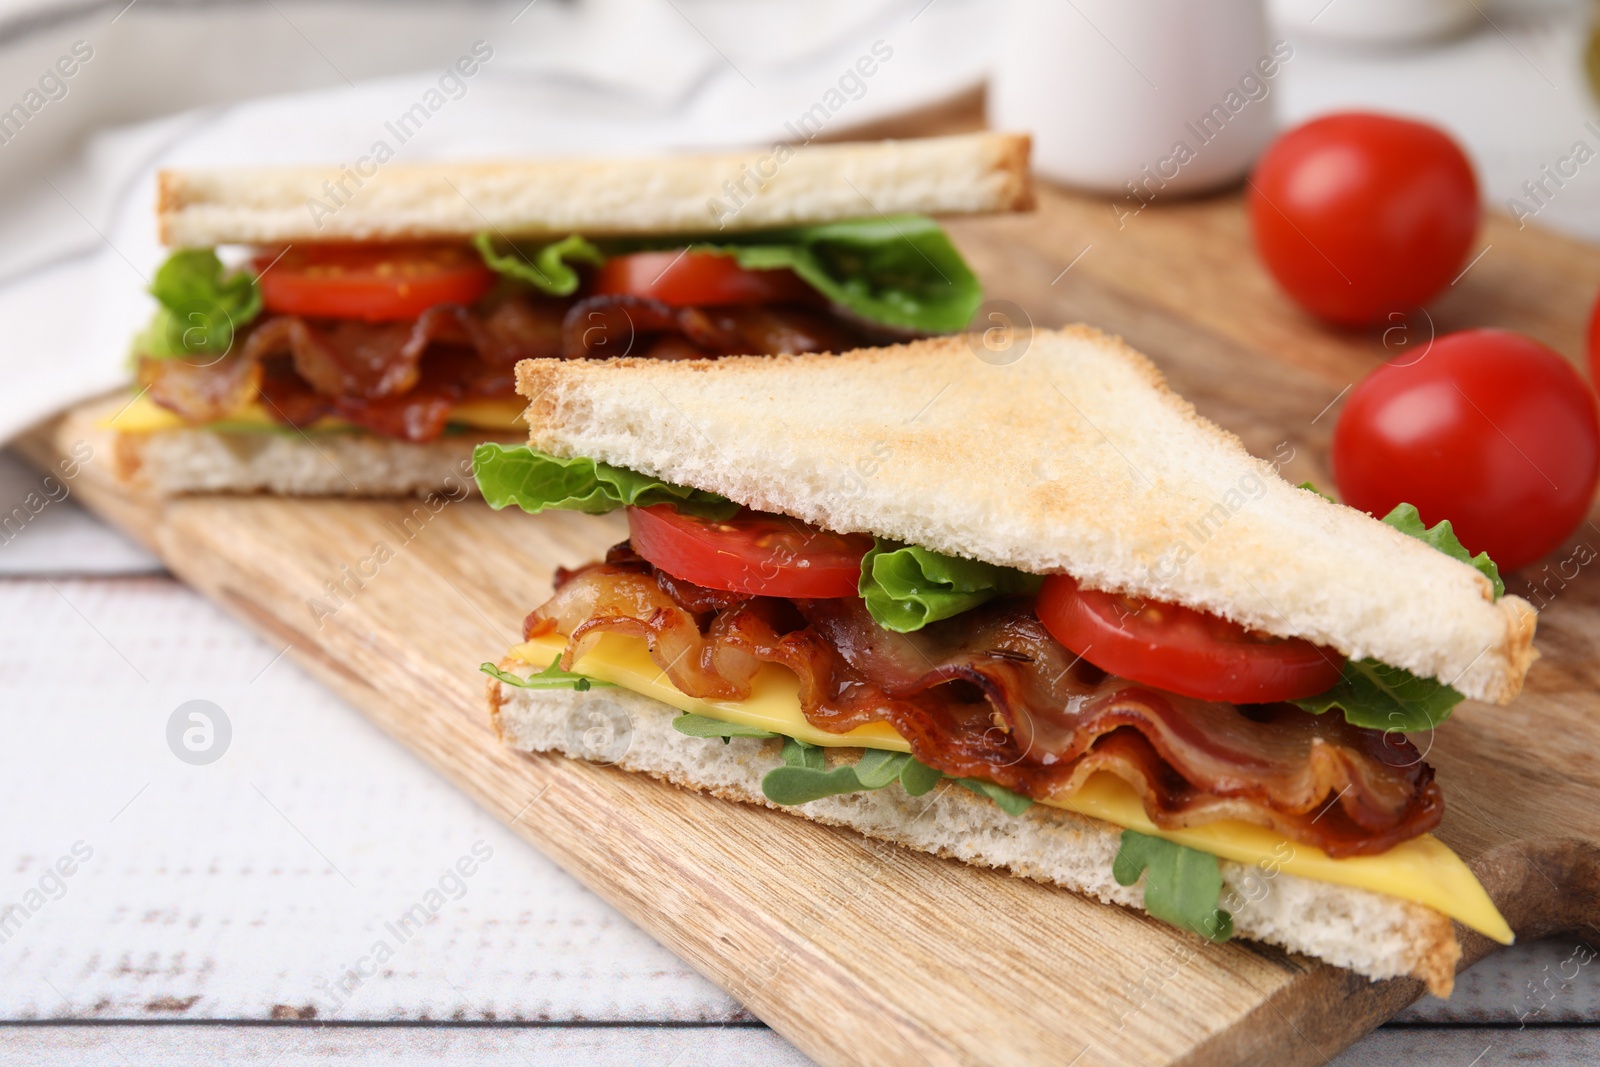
(162, 83)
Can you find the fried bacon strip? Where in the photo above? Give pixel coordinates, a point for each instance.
(402, 379)
(991, 694)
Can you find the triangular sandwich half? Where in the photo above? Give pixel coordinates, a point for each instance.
(358, 333)
(1035, 614)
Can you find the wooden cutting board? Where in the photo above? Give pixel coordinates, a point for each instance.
(864, 953)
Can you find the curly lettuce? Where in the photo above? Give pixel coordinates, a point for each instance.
(906, 587)
(537, 481)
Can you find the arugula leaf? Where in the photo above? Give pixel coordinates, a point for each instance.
(1310, 487)
(202, 306)
(547, 269)
(918, 778)
(1010, 803)
(1182, 885)
(535, 481)
(705, 726)
(878, 767)
(1380, 697)
(552, 677)
(803, 754)
(1408, 520)
(804, 777)
(906, 587)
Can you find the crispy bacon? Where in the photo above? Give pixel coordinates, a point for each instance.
(402, 379)
(991, 694)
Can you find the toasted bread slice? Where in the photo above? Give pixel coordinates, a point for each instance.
(198, 460)
(750, 190)
(1074, 458)
(1371, 933)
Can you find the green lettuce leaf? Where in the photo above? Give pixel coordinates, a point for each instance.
(1408, 520)
(705, 726)
(535, 481)
(1380, 697)
(548, 269)
(901, 270)
(906, 587)
(1181, 885)
(202, 306)
(552, 677)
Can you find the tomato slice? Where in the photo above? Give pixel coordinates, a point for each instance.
(1182, 650)
(374, 283)
(700, 279)
(754, 552)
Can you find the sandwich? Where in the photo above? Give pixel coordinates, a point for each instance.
(1034, 614)
(353, 331)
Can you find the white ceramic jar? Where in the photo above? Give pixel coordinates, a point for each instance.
(1144, 98)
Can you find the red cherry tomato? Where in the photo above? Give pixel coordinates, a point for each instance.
(1359, 215)
(1181, 650)
(1488, 429)
(686, 279)
(375, 283)
(753, 552)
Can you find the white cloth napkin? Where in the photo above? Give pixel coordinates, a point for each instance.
(77, 242)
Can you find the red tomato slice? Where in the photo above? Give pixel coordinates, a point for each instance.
(374, 283)
(702, 279)
(1181, 650)
(753, 552)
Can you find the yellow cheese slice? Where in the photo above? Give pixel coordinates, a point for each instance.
(1423, 869)
(144, 415)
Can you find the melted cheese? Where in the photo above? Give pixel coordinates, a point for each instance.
(1423, 869)
(144, 415)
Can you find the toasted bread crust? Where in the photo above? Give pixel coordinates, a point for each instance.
(1074, 458)
(1373, 934)
(960, 174)
(354, 464)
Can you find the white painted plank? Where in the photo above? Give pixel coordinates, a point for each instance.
(190, 1046)
(245, 888)
(44, 531)
(1474, 1047)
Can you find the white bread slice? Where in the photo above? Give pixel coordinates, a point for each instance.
(1373, 934)
(352, 464)
(756, 189)
(1076, 457)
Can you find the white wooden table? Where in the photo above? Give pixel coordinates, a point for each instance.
(211, 910)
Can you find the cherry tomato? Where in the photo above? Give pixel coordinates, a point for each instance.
(1359, 215)
(1181, 650)
(1488, 429)
(686, 279)
(375, 283)
(753, 552)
